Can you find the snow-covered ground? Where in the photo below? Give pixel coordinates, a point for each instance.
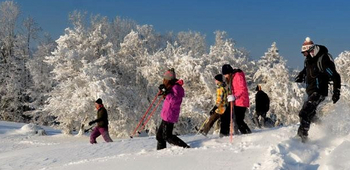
(264, 149)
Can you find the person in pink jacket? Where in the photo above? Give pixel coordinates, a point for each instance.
(238, 94)
(172, 91)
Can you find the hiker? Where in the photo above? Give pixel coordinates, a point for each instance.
(262, 105)
(220, 105)
(238, 96)
(318, 70)
(172, 91)
(102, 123)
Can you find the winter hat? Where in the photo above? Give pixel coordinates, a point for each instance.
(170, 74)
(99, 101)
(258, 87)
(219, 77)
(227, 69)
(307, 44)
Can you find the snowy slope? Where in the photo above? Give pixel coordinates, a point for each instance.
(269, 149)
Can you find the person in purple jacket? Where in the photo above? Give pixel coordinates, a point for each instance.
(172, 91)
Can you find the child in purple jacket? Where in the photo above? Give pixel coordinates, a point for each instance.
(172, 91)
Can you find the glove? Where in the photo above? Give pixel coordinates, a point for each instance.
(92, 122)
(299, 78)
(231, 98)
(162, 89)
(336, 95)
(213, 110)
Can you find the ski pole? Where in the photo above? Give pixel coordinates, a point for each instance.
(143, 117)
(231, 121)
(150, 115)
(86, 130)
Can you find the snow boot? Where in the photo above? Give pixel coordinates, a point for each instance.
(303, 134)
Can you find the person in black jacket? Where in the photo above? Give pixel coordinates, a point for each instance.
(102, 123)
(318, 70)
(262, 102)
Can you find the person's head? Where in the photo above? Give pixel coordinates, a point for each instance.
(258, 87)
(306, 48)
(98, 103)
(227, 70)
(219, 79)
(169, 77)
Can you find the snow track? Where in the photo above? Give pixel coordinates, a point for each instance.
(264, 149)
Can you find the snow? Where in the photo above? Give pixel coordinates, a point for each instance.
(275, 148)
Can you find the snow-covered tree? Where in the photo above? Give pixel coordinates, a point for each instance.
(198, 73)
(79, 68)
(193, 42)
(119, 29)
(42, 81)
(342, 63)
(286, 97)
(12, 65)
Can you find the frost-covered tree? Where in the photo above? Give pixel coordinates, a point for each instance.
(224, 52)
(275, 78)
(193, 42)
(79, 68)
(30, 31)
(342, 63)
(198, 73)
(12, 65)
(42, 81)
(119, 29)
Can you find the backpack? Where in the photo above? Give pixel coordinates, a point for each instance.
(320, 65)
(319, 61)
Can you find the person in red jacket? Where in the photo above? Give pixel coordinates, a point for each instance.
(238, 95)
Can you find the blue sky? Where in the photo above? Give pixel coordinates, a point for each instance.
(253, 24)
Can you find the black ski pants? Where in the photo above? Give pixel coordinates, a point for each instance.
(256, 118)
(308, 112)
(225, 122)
(165, 134)
(240, 114)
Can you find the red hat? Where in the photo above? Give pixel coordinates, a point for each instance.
(307, 44)
(170, 74)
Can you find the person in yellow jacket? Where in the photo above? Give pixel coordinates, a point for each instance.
(220, 104)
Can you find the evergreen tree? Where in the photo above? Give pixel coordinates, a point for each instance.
(42, 81)
(12, 62)
(286, 96)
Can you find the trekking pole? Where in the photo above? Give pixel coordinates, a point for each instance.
(143, 117)
(150, 115)
(205, 122)
(231, 121)
(86, 130)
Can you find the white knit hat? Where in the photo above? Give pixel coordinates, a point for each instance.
(307, 44)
